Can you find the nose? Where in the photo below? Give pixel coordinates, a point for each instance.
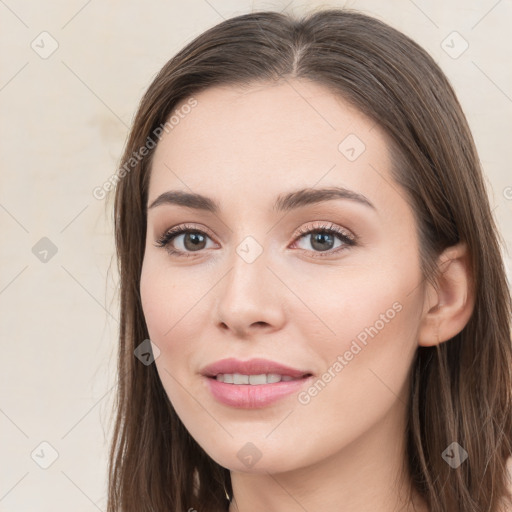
(250, 298)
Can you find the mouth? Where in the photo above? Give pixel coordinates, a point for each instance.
(255, 380)
(253, 384)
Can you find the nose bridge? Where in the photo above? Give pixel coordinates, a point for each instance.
(248, 264)
(249, 294)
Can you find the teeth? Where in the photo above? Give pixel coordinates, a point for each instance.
(240, 379)
(254, 380)
(257, 379)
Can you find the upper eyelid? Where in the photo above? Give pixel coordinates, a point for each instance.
(327, 226)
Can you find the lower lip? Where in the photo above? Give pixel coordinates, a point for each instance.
(248, 396)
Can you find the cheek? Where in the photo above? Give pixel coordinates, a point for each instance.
(164, 298)
(363, 303)
(374, 316)
(174, 315)
(366, 365)
(162, 308)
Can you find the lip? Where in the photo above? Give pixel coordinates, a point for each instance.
(251, 367)
(247, 396)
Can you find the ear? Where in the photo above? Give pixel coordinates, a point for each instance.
(448, 305)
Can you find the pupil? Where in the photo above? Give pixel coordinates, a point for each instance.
(321, 238)
(195, 239)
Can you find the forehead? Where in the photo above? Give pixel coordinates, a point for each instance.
(259, 138)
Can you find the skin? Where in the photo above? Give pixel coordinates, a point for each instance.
(243, 148)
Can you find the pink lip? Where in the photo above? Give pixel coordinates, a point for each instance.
(251, 367)
(249, 396)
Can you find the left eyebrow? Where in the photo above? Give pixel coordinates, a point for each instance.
(307, 196)
(284, 202)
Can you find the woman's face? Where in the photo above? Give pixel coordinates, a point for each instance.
(328, 284)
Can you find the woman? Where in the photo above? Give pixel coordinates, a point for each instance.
(303, 234)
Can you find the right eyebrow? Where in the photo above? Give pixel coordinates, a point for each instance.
(187, 199)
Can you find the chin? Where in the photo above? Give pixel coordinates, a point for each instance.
(247, 457)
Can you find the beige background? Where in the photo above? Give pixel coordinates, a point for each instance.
(64, 120)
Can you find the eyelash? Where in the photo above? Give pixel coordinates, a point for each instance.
(331, 229)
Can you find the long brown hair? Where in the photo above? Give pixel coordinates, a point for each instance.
(460, 390)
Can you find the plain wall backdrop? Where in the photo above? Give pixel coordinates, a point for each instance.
(71, 76)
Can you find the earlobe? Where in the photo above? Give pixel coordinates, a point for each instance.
(448, 305)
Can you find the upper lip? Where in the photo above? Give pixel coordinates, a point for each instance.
(250, 367)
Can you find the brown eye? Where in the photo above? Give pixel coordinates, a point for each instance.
(192, 241)
(183, 240)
